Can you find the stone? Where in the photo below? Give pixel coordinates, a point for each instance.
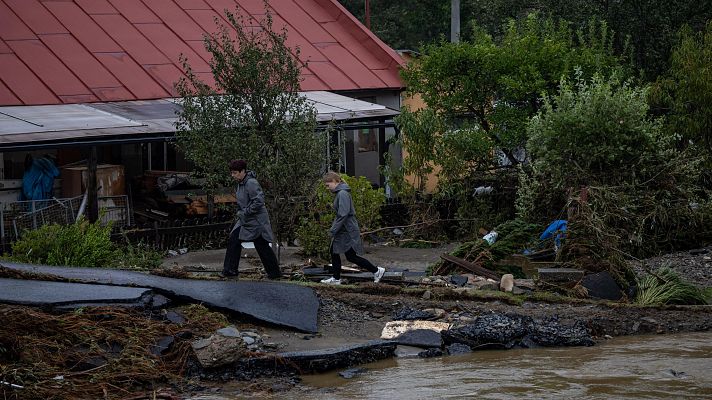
(458, 280)
(527, 284)
(458, 348)
(506, 283)
(427, 295)
(601, 285)
(410, 314)
(518, 291)
(229, 331)
(219, 349)
(432, 352)
(162, 345)
(437, 313)
(248, 340)
(159, 301)
(551, 333)
(352, 372)
(175, 318)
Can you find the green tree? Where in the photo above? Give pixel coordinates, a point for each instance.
(253, 111)
(687, 90)
(487, 89)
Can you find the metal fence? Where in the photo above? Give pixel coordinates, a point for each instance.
(19, 216)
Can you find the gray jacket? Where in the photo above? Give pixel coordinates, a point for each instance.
(344, 230)
(252, 216)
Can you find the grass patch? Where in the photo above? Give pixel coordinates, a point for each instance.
(667, 287)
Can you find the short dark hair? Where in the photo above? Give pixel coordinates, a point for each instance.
(237, 165)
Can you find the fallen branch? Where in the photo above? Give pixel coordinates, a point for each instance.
(472, 267)
(431, 222)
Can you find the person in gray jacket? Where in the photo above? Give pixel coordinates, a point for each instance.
(252, 223)
(346, 236)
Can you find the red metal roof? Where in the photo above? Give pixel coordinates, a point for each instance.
(78, 51)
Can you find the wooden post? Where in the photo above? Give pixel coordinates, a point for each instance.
(92, 198)
(382, 150)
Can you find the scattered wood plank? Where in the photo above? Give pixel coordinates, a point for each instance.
(472, 267)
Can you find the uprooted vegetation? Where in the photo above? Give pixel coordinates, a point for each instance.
(106, 353)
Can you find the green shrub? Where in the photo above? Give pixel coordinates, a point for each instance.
(313, 232)
(81, 244)
(668, 288)
(138, 256)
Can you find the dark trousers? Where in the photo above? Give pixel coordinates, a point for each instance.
(354, 258)
(234, 250)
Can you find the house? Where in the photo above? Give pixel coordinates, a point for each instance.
(78, 74)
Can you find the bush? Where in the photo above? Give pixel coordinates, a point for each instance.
(313, 232)
(82, 244)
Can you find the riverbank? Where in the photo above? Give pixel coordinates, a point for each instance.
(348, 315)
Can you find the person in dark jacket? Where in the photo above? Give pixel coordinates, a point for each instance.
(252, 223)
(345, 234)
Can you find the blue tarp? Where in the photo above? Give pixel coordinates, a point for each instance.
(557, 230)
(38, 180)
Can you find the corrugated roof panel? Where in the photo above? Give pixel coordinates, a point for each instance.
(255, 7)
(96, 7)
(372, 58)
(331, 76)
(135, 11)
(206, 19)
(172, 46)
(311, 82)
(49, 68)
(83, 27)
(113, 94)
(193, 5)
(176, 19)
(133, 42)
(36, 16)
(80, 61)
(207, 78)
(6, 96)
(23, 83)
(4, 49)
(301, 21)
(232, 6)
(11, 27)
(167, 75)
(135, 78)
(78, 98)
(389, 78)
(318, 12)
(199, 47)
(350, 66)
(294, 39)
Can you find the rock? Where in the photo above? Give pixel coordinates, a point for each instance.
(226, 346)
(506, 283)
(458, 348)
(427, 295)
(175, 317)
(518, 291)
(159, 301)
(229, 331)
(407, 351)
(393, 329)
(351, 372)
(432, 352)
(525, 284)
(458, 280)
(601, 285)
(486, 285)
(437, 313)
(248, 340)
(162, 345)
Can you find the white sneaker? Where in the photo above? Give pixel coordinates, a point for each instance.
(331, 281)
(379, 274)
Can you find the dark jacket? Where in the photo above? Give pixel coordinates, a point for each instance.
(253, 219)
(344, 230)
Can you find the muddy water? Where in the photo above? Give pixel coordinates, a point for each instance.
(639, 367)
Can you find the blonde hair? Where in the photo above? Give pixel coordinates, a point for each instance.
(332, 176)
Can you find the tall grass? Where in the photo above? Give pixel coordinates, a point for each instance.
(667, 287)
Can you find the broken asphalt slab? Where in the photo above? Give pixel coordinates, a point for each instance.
(56, 294)
(281, 304)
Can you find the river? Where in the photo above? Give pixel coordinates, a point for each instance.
(634, 367)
